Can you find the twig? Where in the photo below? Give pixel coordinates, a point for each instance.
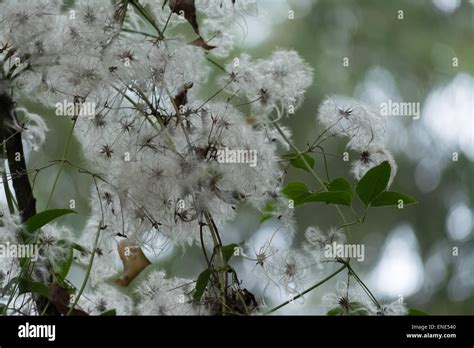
(307, 290)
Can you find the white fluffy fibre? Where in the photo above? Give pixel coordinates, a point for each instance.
(154, 143)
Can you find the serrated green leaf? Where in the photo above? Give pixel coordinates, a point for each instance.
(340, 184)
(330, 197)
(298, 162)
(373, 183)
(297, 191)
(389, 198)
(228, 251)
(416, 312)
(109, 313)
(201, 284)
(39, 220)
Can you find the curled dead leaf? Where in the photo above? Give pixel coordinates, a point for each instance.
(182, 97)
(203, 44)
(133, 259)
(187, 9)
(60, 298)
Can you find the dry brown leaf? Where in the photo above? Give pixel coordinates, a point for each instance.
(134, 261)
(201, 43)
(186, 8)
(60, 298)
(182, 97)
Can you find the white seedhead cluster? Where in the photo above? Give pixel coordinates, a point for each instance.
(137, 91)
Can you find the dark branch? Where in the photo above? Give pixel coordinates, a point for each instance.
(10, 132)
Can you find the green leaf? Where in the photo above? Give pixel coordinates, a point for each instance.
(335, 311)
(39, 220)
(80, 248)
(373, 183)
(267, 212)
(340, 193)
(297, 191)
(297, 161)
(264, 218)
(392, 198)
(33, 287)
(62, 267)
(228, 251)
(201, 284)
(416, 312)
(340, 184)
(9, 286)
(355, 308)
(331, 197)
(109, 313)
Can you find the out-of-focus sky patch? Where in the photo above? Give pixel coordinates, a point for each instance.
(446, 121)
(459, 222)
(447, 6)
(428, 174)
(448, 114)
(461, 284)
(399, 271)
(436, 268)
(378, 87)
(258, 28)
